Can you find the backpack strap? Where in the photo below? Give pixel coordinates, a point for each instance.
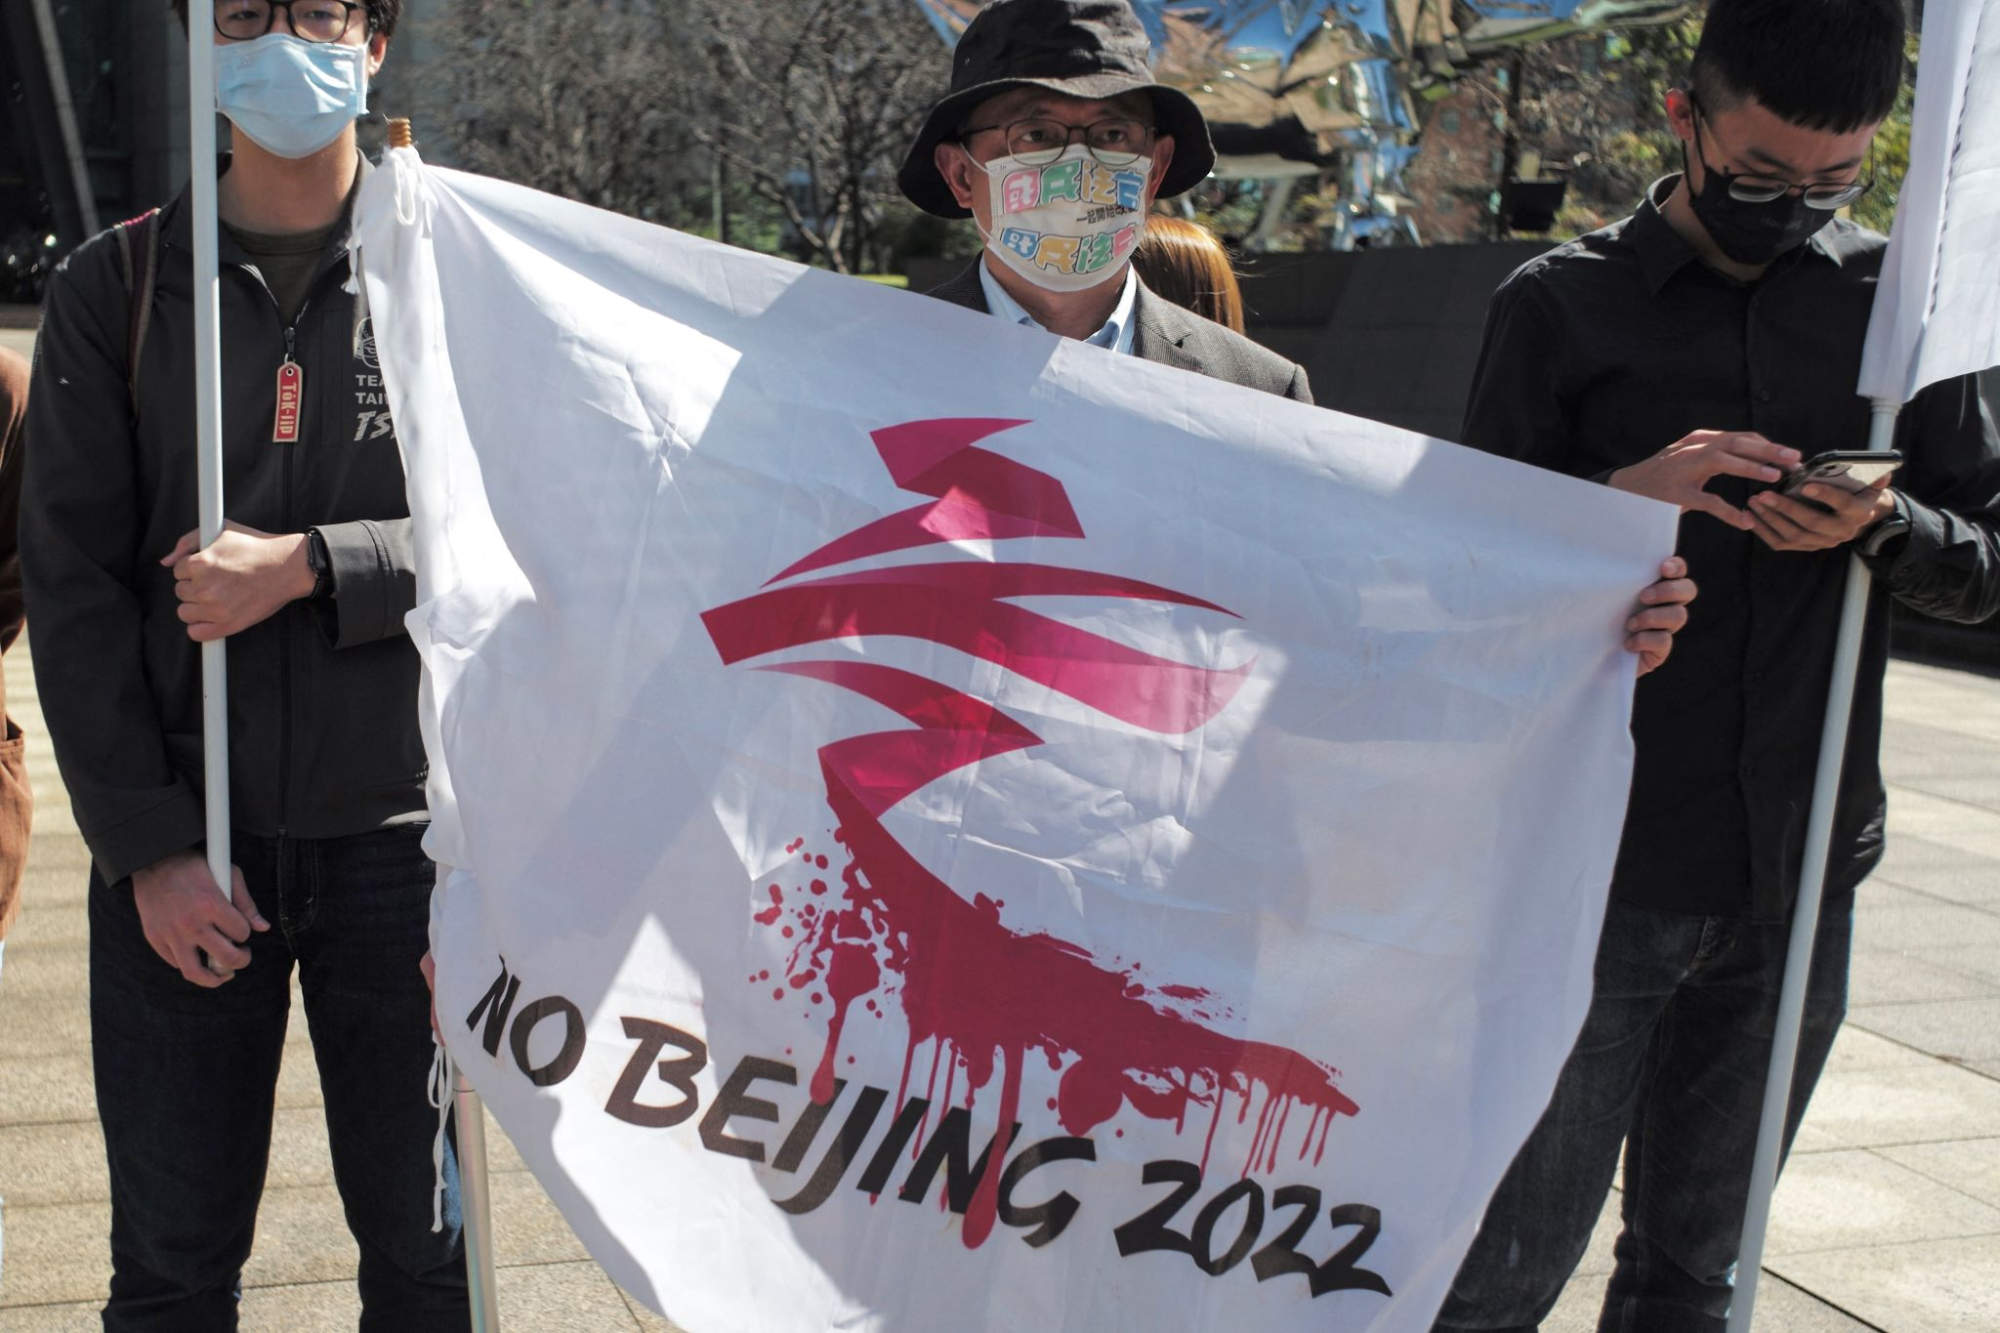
(139, 259)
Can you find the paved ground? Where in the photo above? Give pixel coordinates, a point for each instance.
(1888, 1219)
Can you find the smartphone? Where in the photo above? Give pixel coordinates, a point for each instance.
(1850, 469)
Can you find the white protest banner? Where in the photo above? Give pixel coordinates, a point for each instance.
(948, 828)
(1938, 313)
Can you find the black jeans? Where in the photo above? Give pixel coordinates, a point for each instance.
(186, 1080)
(1671, 1062)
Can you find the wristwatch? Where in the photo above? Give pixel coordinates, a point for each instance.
(320, 562)
(1897, 525)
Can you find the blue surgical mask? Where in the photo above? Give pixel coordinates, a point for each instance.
(293, 97)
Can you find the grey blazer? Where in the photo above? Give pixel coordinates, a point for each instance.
(1172, 336)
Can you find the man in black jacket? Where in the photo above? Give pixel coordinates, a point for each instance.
(189, 989)
(1726, 316)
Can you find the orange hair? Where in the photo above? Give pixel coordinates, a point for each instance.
(1183, 262)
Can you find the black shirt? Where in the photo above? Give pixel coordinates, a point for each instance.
(1604, 351)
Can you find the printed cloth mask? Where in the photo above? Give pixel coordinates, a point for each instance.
(292, 96)
(1067, 225)
(1751, 233)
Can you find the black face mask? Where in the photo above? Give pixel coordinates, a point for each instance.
(1751, 233)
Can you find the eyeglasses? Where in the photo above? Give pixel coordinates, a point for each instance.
(309, 20)
(1036, 143)
(1764, 189)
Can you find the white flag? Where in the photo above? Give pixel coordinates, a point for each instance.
(948, 828)
(1937, 311)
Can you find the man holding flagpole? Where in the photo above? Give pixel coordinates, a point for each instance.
(1700, 352)
(308, 586)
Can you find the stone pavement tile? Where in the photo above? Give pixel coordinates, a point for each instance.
(42, 922)
(1968, 1166)
(1878, 891)
(45, 1164)
(1885, 976)
(46, 1089)
(1855, 1051)
(1940, 1286)
(1923, 925)
(527, 1227)
(1955, 824)
(562, 1297)
(1942, 872)
(57, 1253)
(40, 1025)
(1844, 1200)
(1949, 1029)
(306, 1307)
(43, 883)
(1974, 960)
(70, 1317)
(1927, 1103)
(39, 968)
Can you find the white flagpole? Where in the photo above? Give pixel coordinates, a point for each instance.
(474, 1178)
(208, 419)
(476, 1205)
(1805, 912)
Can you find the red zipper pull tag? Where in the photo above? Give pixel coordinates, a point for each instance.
(291, 392)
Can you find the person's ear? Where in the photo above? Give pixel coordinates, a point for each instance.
(1680, 114)
(1163, 157)
(955, 165)
(378, 49)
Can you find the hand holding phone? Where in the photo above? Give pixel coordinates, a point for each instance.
(1852, 470)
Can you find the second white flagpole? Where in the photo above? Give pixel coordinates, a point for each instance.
(1805, 914)
(208, 418)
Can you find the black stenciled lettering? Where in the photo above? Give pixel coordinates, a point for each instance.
(846, 1146)
(734, 1102)
(1201, 1240)
(1341, 1273)
(799, 1142)
(677, 1074)
(1282, 1255)
(495, 1004)
(1049, 1219)
(564, 1062)
(876, 1178)
(950, 1147)
(1149, 1230)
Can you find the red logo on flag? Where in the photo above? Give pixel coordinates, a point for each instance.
(981, 994)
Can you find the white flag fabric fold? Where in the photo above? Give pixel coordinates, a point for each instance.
(948, 828)
(1937, 311)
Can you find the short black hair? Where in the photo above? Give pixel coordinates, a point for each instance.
(1821, 64)
(382, 15)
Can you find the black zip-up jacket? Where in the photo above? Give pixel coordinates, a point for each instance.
(323, 735)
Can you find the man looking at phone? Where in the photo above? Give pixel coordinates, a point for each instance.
(1726, 316)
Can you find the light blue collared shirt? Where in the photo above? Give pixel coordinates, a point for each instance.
(1116, 333)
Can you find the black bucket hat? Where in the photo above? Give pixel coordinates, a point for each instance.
(1085, 48)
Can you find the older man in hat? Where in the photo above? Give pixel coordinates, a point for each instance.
(1055, 140)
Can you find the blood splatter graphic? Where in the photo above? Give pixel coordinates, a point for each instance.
(980, 994)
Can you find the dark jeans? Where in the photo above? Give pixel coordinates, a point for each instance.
(1671, 1062)
(186, 1080)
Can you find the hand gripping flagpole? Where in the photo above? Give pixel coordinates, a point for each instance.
(1935, 316)
(208, 428)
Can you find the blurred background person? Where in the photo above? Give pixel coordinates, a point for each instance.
(1186, 263)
